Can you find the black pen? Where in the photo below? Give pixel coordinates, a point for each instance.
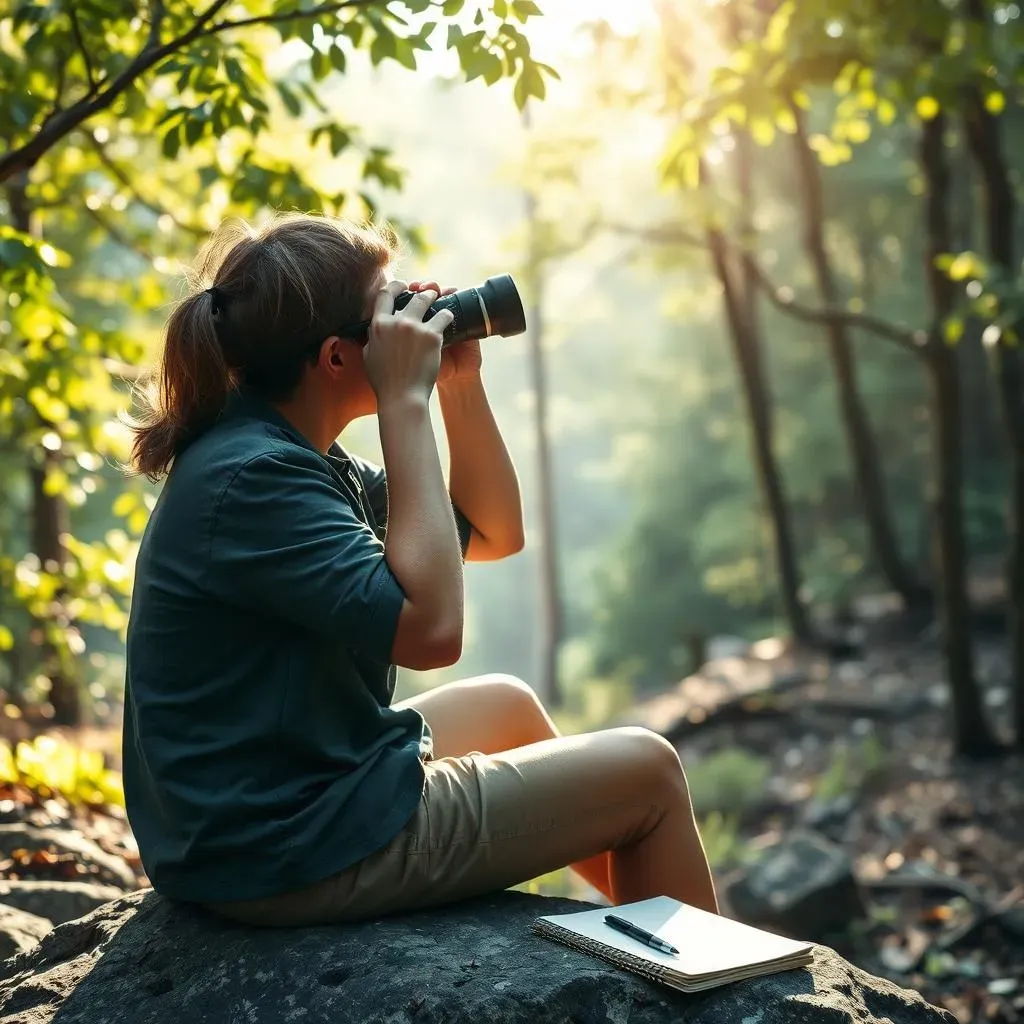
(620, 924)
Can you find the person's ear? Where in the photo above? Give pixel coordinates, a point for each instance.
(332, 355)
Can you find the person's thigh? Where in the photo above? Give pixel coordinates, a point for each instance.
(487, 713)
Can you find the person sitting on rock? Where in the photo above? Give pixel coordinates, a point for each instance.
(268, 774)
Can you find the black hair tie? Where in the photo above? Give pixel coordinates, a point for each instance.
(216, 300)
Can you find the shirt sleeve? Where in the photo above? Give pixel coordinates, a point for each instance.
(286, 541)
(374, 480)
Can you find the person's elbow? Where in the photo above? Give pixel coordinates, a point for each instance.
(495, 545)
(438, 651)
(423, 643)
(513, 541)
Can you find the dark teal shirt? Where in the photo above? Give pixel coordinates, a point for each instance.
(260, 750)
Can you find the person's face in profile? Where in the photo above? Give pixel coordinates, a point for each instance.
(353, 386)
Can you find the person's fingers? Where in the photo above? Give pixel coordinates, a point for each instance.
(419, 304)
(385, 301)
(441, 320)
(449, 291)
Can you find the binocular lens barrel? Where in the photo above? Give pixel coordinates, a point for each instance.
(493, 308)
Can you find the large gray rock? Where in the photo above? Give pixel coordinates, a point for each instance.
(57, 901)
(20, 930)
(143, 958)
(801, 886)
(99, 865)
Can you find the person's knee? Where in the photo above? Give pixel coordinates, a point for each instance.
(511, 693)
(654, 757)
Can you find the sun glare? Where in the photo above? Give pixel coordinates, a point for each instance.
(557, 30)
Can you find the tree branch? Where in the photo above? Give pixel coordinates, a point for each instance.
(783, 300)
(273, 19)
(154, 208)
(117, 235)
(782, 297)
(57, 126)
(76, 28)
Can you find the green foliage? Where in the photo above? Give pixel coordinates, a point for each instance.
(51, 766)
(728, 782)
(723, 845)
(128, 134)
(853, 766)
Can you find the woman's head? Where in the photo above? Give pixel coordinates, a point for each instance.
(262, 304)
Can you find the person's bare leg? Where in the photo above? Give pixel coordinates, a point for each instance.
(493, 713)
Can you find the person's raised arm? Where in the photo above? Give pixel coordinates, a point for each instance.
(421, 547)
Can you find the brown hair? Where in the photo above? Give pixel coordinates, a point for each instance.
(272, 295)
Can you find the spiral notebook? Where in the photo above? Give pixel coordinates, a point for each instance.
(713, 950)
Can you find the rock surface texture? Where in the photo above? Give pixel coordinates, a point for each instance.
(20, 930)
(142, 958)
(56, 901)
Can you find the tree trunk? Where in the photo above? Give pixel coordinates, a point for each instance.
(551, 617)
(972, 736)
(860, 438)
(1000, 209)
(744, 336)
(982, 429)
(741, 298)
(49, 523)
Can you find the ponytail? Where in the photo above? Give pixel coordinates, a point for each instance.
(190, 390)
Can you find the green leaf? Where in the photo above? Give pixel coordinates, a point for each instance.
(500, 8)
(383, 46)
(171, 142)
(927, 108)
(290, 100)
(404, 53)
(340, 139)
(452, 7)
(354, 30)
(524, 9)
(482, 63)
(953, 329)
(337, 55)
(319, 65)
(6, 639)
(194, 127)
(530, 83)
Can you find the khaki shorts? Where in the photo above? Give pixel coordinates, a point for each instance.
(485, 822)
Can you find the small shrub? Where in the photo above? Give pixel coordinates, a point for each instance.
(50, 766)
(729, 782)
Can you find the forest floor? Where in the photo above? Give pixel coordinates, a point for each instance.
(859, 751)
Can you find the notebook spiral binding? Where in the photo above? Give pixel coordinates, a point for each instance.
(653, 972)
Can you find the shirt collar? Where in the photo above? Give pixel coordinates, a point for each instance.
(246, 404)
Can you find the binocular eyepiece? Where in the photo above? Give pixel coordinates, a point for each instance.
(492, 308)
